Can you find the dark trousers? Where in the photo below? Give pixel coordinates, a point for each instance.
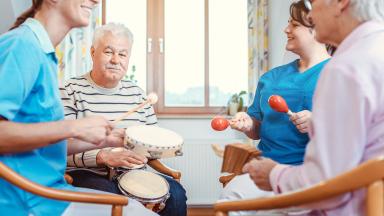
(176, 205)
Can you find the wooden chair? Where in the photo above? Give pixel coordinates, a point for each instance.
(368, 175)
(161, 168)
(116, 201)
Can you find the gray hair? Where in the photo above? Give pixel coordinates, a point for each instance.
(365, 10)
(116, 29)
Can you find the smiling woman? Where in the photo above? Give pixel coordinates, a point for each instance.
(31, 104)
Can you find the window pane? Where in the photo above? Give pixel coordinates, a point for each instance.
(133, 14)
(184, 52)
(228, 50)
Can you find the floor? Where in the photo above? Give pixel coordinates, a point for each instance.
(200, 211)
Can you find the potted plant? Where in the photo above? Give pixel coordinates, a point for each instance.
(235, 103)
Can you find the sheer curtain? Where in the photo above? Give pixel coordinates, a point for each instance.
(258, 42)
(73, 51)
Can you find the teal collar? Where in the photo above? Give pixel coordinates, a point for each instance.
(41, 34)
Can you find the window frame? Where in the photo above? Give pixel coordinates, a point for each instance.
(155, 62)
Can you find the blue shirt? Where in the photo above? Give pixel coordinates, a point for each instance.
(280, 140)
(29, 94)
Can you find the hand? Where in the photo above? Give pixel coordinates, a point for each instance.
(119, 157)
(259, 171)
(301, 120)
(114, 139)
(241, 122)
(93, 129)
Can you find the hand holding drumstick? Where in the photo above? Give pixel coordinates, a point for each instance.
(151, 99)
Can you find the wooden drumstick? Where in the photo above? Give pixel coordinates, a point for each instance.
(151, 99)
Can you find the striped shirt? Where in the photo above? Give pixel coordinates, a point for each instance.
(82, 97)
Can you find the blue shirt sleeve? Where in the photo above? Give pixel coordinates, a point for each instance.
(19, 69)
(254, 110)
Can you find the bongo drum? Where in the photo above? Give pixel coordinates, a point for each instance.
(151, 189)
(153, 142)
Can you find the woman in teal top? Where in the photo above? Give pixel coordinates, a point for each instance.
(32, 130)
(283, 139)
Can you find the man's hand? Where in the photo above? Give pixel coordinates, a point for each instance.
(119, 157)
(259, 171)
(301, 120)
(241, 122)
(114, 139)
(93, 129)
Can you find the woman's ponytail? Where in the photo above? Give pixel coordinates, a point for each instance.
(36, 4)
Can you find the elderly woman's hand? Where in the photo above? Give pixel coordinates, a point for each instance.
(259, 171)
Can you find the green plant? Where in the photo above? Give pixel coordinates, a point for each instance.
(237, 98)
(131, 76)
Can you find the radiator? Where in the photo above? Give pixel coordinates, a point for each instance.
(200, 169)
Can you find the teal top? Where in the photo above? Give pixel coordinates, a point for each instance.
(279, 138)
(29, 94)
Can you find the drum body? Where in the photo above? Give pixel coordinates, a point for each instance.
(153, 142)
(151, 189)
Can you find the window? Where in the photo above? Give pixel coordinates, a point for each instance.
(192, 53)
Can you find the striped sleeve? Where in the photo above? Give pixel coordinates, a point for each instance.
(150, 116)
(69, 102)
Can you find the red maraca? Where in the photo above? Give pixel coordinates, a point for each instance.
(278, 104)
(219, 123)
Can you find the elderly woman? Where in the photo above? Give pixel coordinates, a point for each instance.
(347, 122)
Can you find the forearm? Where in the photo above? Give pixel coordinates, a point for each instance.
(76, 146)
(21, 137)
(254, 132)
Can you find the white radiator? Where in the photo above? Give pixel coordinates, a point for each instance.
(200, 169)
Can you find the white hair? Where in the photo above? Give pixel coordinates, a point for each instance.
(116, 29)
(365, 10)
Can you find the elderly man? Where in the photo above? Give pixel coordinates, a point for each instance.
(347, 122)
(103, 92)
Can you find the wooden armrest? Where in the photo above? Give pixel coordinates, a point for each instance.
(68, 178)
(226, 178)
(161, 168)
(368, 174)
(116, 201)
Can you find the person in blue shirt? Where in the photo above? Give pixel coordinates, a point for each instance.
(282, 138)
(33, 131)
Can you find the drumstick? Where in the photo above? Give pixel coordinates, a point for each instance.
(151, 99)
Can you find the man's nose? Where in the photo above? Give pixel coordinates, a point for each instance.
(115, 58)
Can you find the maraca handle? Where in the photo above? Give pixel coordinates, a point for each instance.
(289, 113)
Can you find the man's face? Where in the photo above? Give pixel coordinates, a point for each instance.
(110, 57)
(323, 16)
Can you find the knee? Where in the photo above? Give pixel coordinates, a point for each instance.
(177, 192)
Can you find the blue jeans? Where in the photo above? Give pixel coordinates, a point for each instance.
(176, 204)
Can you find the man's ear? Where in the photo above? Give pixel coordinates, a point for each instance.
(342, 5)
(92, 51)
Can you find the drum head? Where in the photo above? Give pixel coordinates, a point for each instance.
(144, 184)
(154, 136)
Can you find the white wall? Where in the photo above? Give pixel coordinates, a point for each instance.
(9, 10)
(278, 14)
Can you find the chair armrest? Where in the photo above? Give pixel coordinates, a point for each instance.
(27, 185)
(226, 178)
(68, 178)
(367, 174)
(161, 168)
